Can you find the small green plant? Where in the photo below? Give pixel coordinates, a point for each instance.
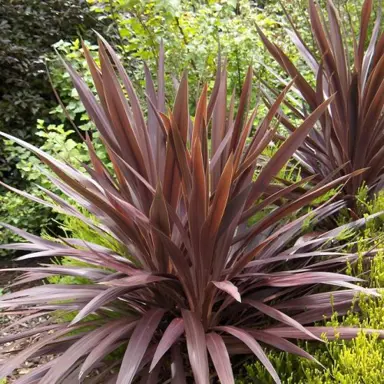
(356, 361)
(368, 204)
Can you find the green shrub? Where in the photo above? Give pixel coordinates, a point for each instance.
(192, 32)
(346, 362)
(22, 212)
(28, 29)
(368, 205)
(357, 361)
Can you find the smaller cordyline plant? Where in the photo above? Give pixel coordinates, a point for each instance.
(351, 134)
(194, 286)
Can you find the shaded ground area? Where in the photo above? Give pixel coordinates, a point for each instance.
(7, 278)
(14, 346)
(12, 324)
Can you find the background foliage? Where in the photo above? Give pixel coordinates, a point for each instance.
(28, 28)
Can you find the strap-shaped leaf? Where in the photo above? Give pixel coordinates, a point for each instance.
(254, 346)
(106, 346)
(174, 330)
(138, 344)
(101, 299)
(229, 288)
(196, 345)
(279, 316)
(177, 366)
(220, 357)
(286, 150)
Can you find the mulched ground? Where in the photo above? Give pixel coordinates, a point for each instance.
(17, 345)
(6, 320)
(6, 349)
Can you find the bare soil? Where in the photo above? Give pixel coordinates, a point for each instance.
(8, 349)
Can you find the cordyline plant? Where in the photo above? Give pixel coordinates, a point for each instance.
(195, 286)
(351, 134)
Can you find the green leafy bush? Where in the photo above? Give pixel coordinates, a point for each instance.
(28, 29)
(191, 32)
(22, 212)
(356, 361)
